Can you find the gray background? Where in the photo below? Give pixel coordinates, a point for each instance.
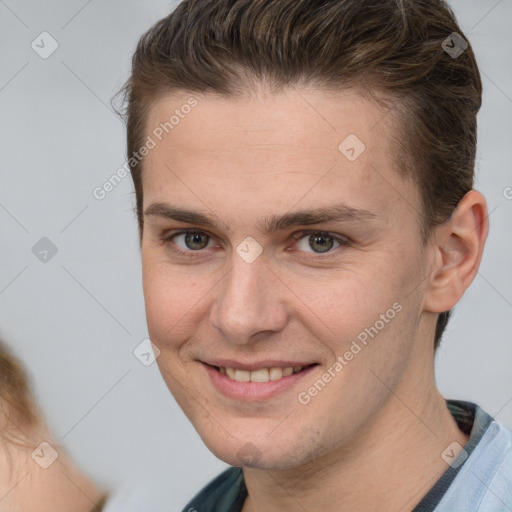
(76, 319)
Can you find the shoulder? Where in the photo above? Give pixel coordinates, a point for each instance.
(485, 479)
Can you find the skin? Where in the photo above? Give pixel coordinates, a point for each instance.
(373, 437)
(27, 487)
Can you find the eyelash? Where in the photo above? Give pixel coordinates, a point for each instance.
(343, 241)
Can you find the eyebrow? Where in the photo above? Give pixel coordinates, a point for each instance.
(332, 213)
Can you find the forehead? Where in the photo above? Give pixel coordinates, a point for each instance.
(264, 151)
(304, 120)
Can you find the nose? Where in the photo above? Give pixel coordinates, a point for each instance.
(250, 302)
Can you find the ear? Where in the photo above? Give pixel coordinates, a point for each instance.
(458, 249)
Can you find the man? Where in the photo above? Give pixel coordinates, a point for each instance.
(304, 181)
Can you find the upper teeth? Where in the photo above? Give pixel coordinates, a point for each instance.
(260, 375)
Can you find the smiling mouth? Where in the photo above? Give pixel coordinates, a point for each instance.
(262, 374)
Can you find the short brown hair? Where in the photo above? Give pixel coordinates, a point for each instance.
(392, 47)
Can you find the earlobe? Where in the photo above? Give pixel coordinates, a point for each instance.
(460, 243)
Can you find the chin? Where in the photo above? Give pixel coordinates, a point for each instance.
(256, 452)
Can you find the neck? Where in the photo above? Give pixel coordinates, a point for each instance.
(389, 467)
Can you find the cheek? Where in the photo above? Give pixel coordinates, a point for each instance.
(347, 301)
(173, 298)
(363, 314)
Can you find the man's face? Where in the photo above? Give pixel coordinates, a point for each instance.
(259, 297)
